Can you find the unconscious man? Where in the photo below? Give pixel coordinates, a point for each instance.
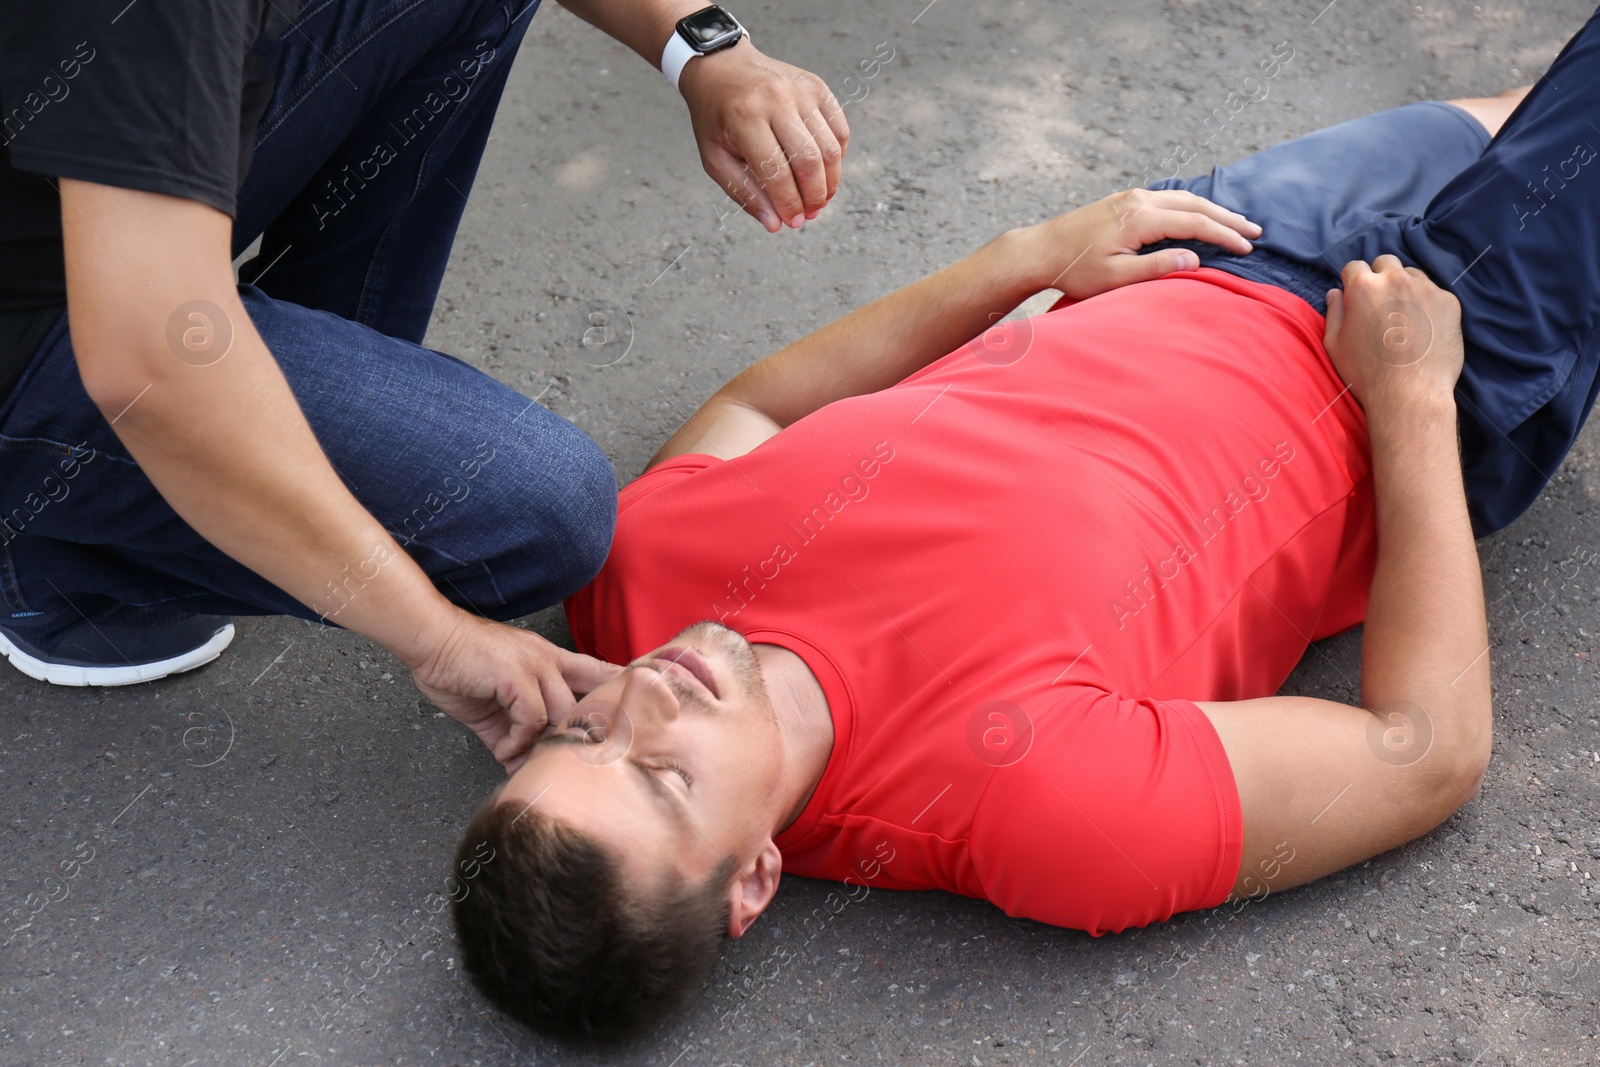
(925, 602)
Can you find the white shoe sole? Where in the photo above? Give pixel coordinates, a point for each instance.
(63, 674)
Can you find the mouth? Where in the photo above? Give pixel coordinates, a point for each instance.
(691, 663)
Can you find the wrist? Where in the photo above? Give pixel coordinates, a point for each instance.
(1045, 252)
(1017, 261)
(697, 37)
(709, 69)
(1400, 420)
(386, 597)
(1410, 405)
(430, 624)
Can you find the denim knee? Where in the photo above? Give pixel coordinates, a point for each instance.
(557, 504)
(590, 518)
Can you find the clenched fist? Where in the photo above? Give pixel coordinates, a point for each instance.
(1393, 335)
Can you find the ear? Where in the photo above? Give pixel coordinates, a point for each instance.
(753, 889)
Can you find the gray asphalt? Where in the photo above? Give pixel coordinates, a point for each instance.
(253, 847)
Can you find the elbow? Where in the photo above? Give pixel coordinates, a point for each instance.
(1472, 763)
(109, 391)
(121, 352)
(1464, 751)
(114, 380)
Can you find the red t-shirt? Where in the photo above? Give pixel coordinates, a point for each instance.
(1012, 573)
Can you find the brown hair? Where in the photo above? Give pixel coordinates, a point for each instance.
(550, 936)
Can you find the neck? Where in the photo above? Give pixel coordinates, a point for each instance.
(805, 724)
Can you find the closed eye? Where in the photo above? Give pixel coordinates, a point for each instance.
(670, 799)
(677, 768)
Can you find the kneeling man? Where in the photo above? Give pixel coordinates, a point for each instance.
(921, 602)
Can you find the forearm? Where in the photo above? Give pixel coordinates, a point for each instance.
(231, 452)
(1426, 637)
(643, 26)
(215, 428)
(876, 346)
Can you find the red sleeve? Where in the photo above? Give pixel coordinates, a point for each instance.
(1122, 812)
(663, 473)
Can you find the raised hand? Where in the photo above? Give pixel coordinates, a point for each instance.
(770, 134)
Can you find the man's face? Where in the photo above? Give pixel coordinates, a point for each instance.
(670, 764)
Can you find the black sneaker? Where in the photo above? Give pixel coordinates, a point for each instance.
(119, 645)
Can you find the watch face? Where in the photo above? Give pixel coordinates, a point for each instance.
(709, 30)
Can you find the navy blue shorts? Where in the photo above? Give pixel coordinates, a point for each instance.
(1313, 193)
(1511, 226)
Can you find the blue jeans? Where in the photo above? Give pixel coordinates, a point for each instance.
(508, 507)
(1510, 226)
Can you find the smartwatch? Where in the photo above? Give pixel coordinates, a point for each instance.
(707, 30)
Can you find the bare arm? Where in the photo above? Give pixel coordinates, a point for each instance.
(1331, 784)
(167, 353)
(869, 349)
(1082, 253)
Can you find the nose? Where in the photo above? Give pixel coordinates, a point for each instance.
(646, 694)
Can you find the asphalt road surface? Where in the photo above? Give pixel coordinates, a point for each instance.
(254, 845)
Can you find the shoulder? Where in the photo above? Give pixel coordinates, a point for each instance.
(667, 472)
